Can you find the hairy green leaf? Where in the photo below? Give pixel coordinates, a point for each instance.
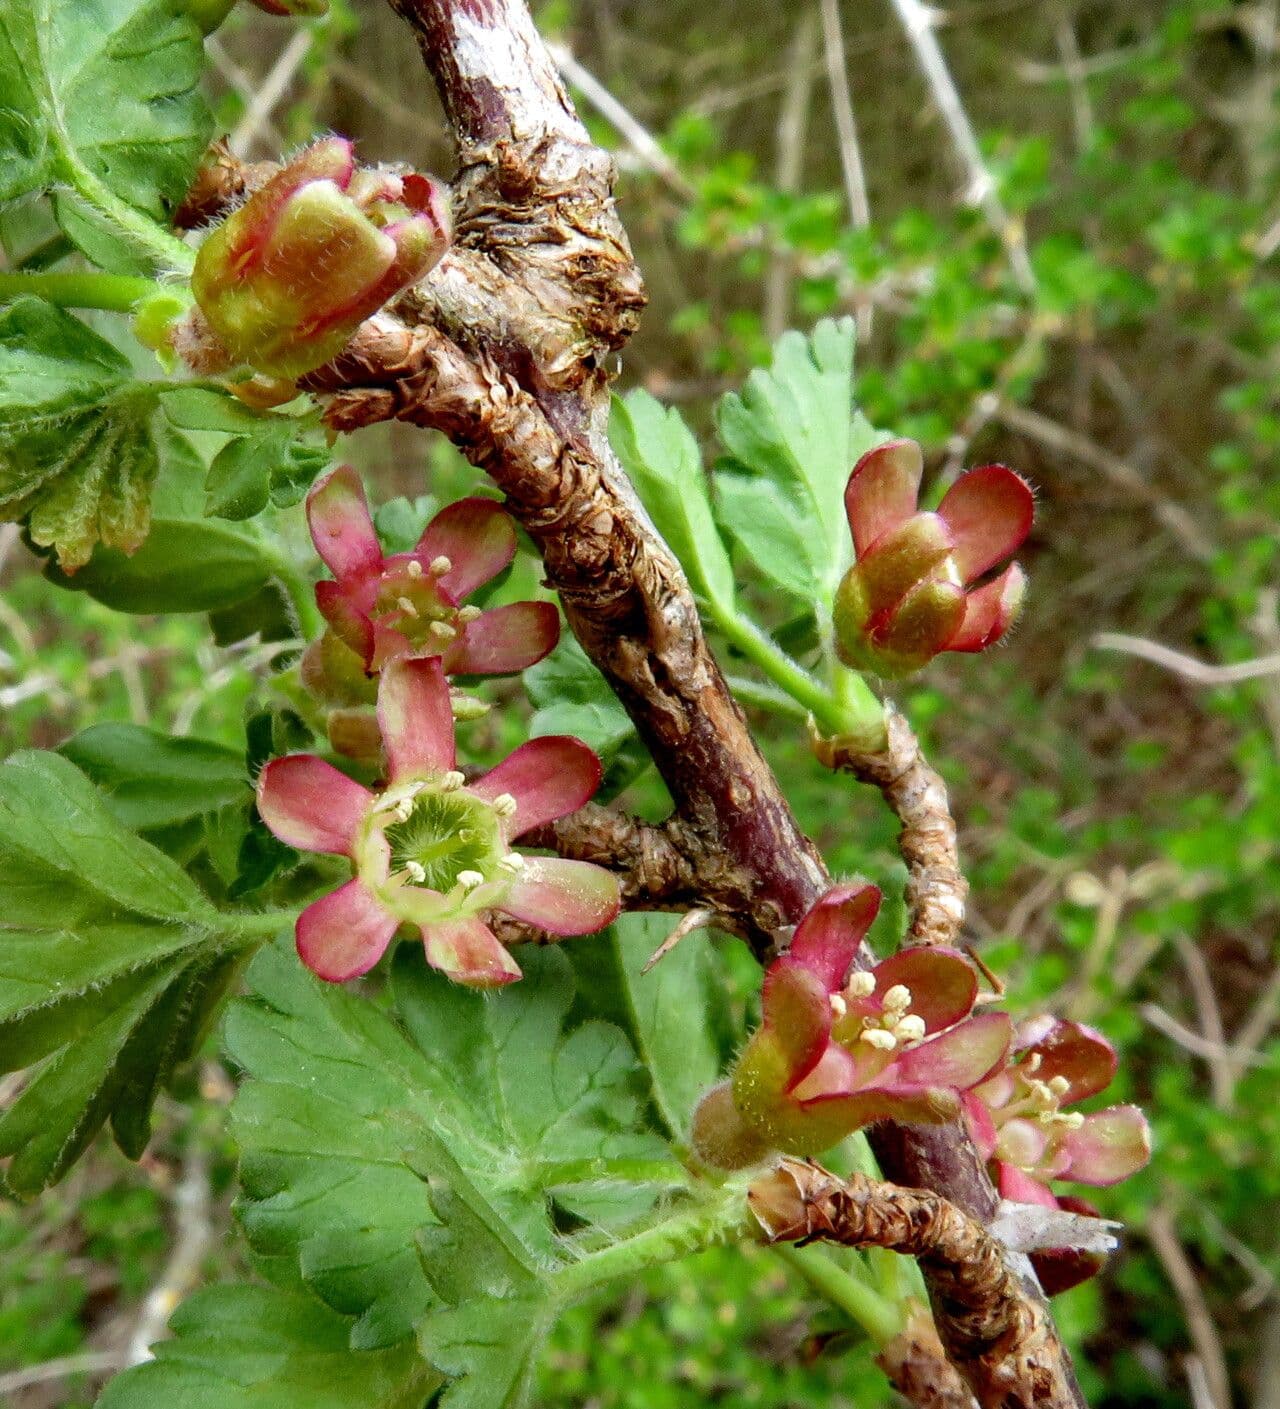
(78, 452)
(112, 963)
(794, 427)
(661, 457)
(101, 99)
(261, 1348)
(150, 779)
(344, 1121)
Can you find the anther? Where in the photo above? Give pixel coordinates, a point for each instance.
(415, 872)
(860, 985)
(469, 880)
(1059, 1085)
(838, 1006)
(897, 999)
(452, 781)
(878, 1038)
(504, 805)
(414, 568)
(466, 614)
(442, 629)
(406, 606)
(910, 1028)
(441, 565)
(512, 862)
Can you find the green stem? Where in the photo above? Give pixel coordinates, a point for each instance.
(267, 923)
(118, 293)
(632, 1171)
(766, 697)
(879, 1318)
(145, 235)
(300, 591)
(703, 1227)
(793, 679)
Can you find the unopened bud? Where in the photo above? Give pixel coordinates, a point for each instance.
(720, 1135)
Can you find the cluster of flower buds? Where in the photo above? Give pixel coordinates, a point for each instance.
(837, 1050)
(283, 283)
(431, 850)
(383, 607)
(1020, 1125)
(909, 594)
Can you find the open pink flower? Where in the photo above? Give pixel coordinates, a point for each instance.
(431, 850)
(409, 604)
(909, 595)
(1019, 1124)
(836, 1050)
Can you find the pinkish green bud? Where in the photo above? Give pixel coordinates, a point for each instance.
(909, 595)
(720, 1136)
(293, 7)
(285, 281)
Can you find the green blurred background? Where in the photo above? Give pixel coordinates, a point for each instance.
(1089, 295)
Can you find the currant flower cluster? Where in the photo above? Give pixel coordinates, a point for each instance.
(429, 850)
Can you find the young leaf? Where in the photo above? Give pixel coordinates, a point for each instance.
(111, 965)
(151, 780)
(343, 1118)
(260, 1348)
(78, 453)
(661, 457)
(570, 696)
(101, 101)
(795, 427)
(666, 1012)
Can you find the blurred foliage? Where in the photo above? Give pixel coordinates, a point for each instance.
(1119, 823)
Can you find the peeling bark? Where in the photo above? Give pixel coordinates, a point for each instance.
(1002, 1343)
(936, 887)
(507, 347)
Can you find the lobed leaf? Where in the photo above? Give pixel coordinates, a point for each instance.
(112, 963)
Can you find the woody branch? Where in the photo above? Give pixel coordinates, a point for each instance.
(507, 347)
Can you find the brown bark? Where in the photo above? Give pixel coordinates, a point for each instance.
(936, 887)
(1002, 1343)
(507, 347)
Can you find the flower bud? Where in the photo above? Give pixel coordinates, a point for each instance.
(720, 1136)
(285, 281)
(909, 595)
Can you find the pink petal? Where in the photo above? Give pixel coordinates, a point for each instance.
(308, 804)
(504, 640)
(797, 1015)
(341, 529)
(1075, 1051)
(959, 1057)
(943, 983)
(345, 933)
(1110, 1146)
(981, 1126)
(835, 1074)
(469, 952)
(989, 611)
(882, 491)
(477, 536)
(416, 718)
(564, 897)
(826, 941)
(1021, 1188)
(989, 512)
(918, 1104)
(349, 624)
(548, 777)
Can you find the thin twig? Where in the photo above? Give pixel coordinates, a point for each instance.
(90, 1362)
(1200, 1326)
(855, 176)
(1188, 667)
(1068, 442)
(268, 93)
(918, 21)
(194, 1232)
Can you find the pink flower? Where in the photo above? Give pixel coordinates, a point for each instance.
(410, 603)
(1019, 1124)
(431, 850)
(909, 595)
(284, 281)
(837, 1050)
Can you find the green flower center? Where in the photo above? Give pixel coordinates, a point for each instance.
(445, 836)
(409, 602)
